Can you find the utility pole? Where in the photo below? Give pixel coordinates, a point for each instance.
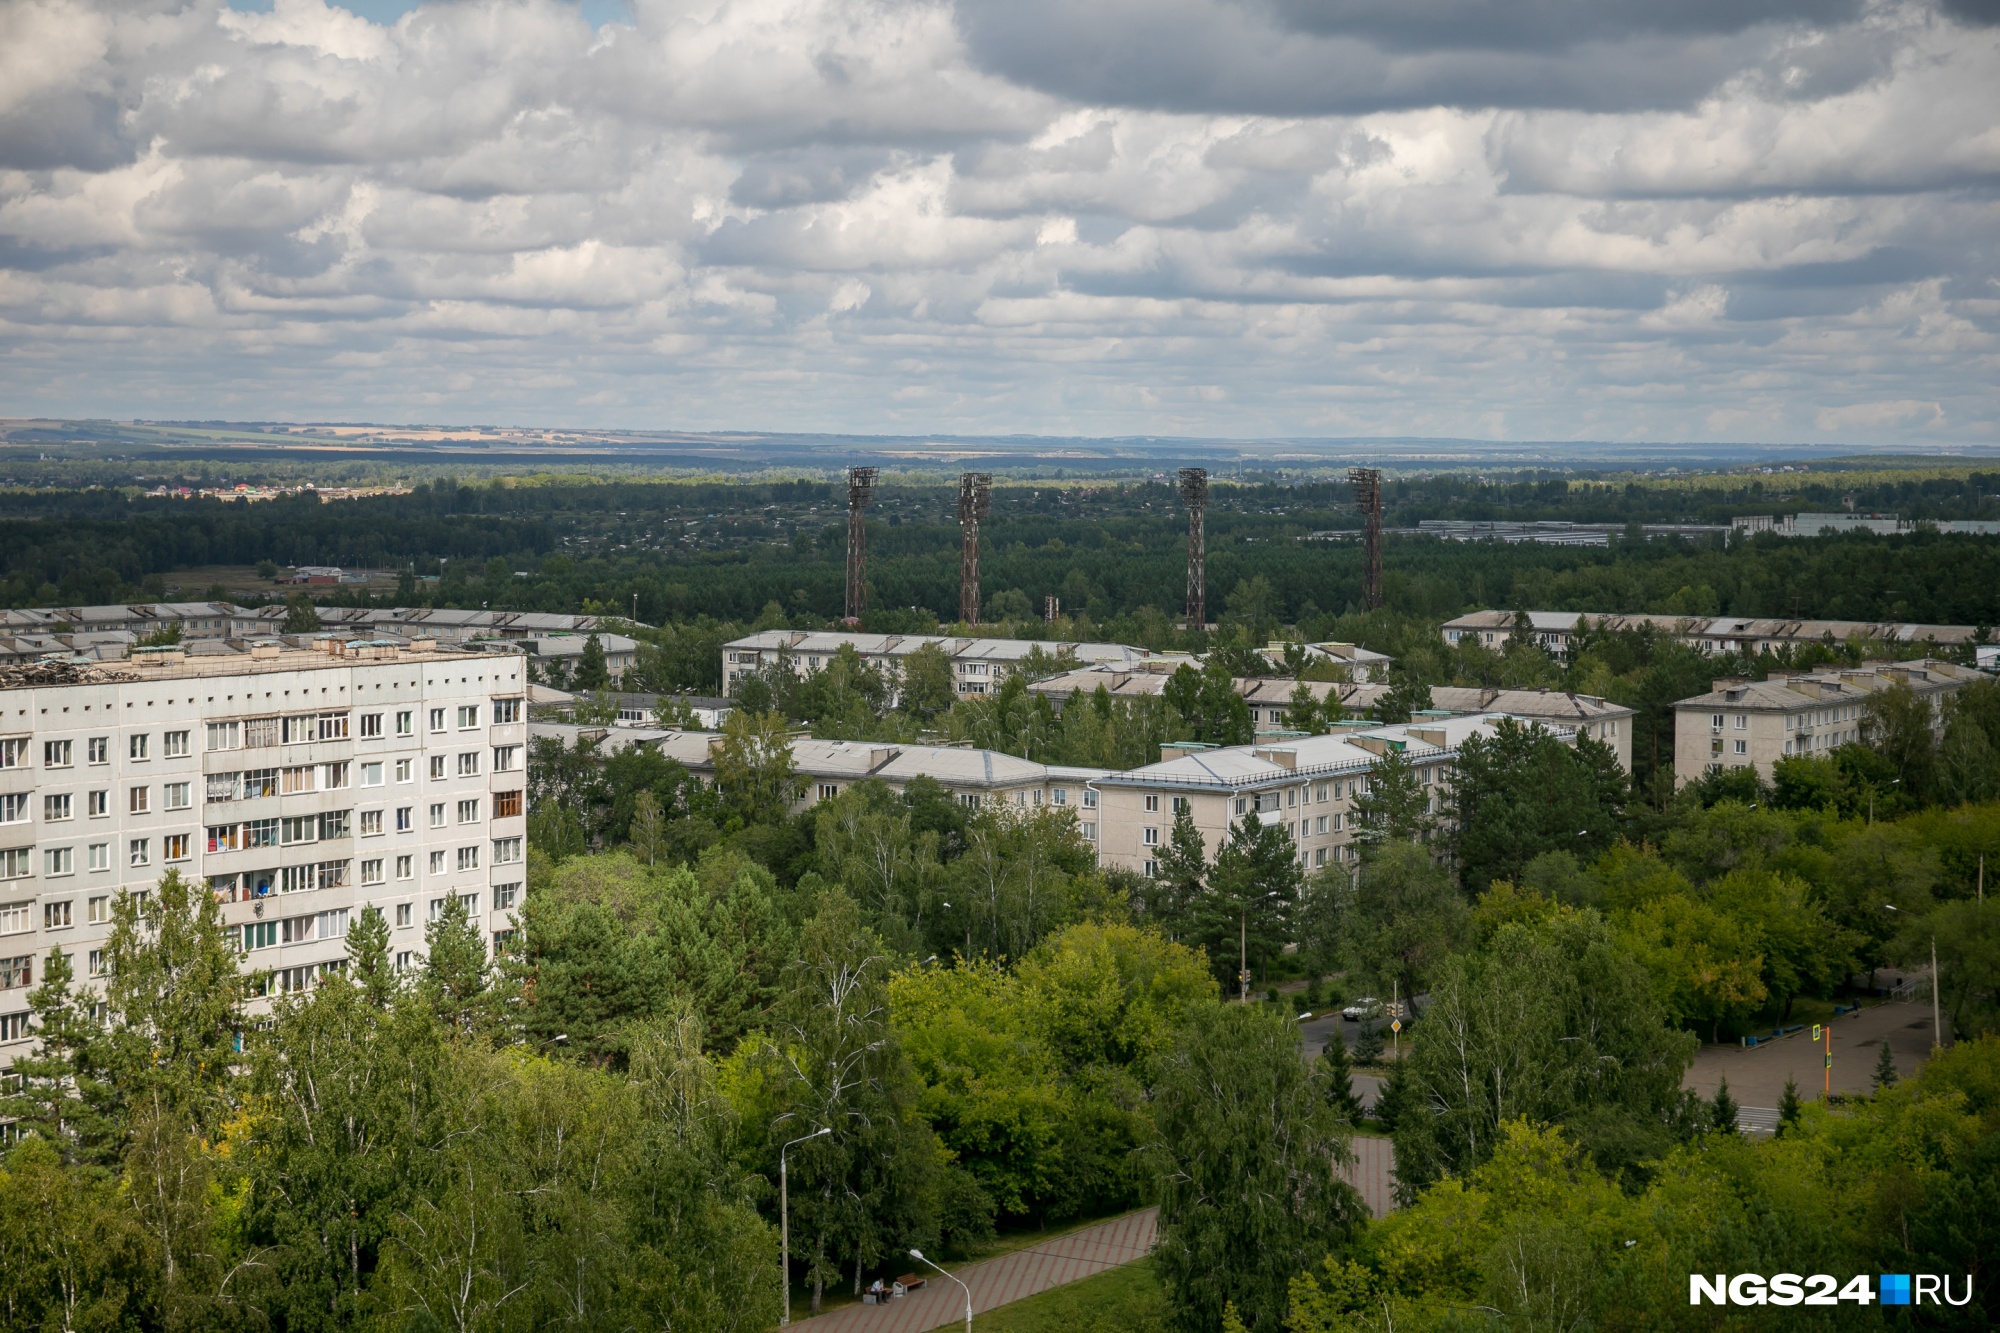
(1367, 484)
(1243, 957)
(860, 493)
(975, 498)
(1194, 494)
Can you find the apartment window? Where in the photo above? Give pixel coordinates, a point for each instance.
(506, 851)
(16, 919)
(437, 719)
(1742, 721)
(261, 782)
(371, 823)
(97, 750)
(99, 965)
(1321, 794)
(437, 863)
(506, 711)
(260, 935)
(136, 745)
(1319, 856)
(100, 857)
(262, 732)
(405, 770)
(17, 972)
(17, 863)
(59, 861)
(507, 805)
(224, 838)
(138, 800)
(437, 908)
(406, 818)
(371, 775)
(406, 867)
(178, 794)
(1292, 798)
(14, 808)
(504, 896)
(828, 790)
(1715, 721)
(403, 914)
(371, 871)
(437, 767)
(14, 1027)
(468, 717)
(1319, 824)
(55, 809)
(13, 753)
(1151, 870)
(1241, 804)
(506, 758)
(468, 811)
(100, 910)
(1152, 802)
(336, 775)
(1743, 747)
(259, 833)
(333, 726)
(1180, 805)
(405, 723)
(405, 961)
(468, 858)
(1090, 798)
(293, 781)
(175, 846)
(296, 929)
(1089, 831)
(300, 829)
(1152, 837)
(468, 764)
(371, 725)
(1059, 796)
(55, 754)
(174, 745)
(141, 852)
(437, 814)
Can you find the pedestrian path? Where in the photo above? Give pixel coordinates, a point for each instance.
(1373, 1172)
(1000, 1281)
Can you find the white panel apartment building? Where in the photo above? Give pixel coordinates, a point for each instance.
(298, 784)
(978, 665)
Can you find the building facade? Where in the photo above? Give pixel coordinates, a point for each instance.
(1754, 724)
(298, 785)
(1553, 630)
(979, 666)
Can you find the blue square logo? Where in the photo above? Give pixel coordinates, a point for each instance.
(1895, 1289)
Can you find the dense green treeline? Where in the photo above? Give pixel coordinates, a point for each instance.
(730, 552)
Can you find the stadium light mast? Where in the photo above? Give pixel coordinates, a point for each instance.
(1194, 494)
(975, 500)
(860, 491)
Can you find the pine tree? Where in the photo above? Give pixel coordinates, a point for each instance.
(591, 672)
(1789, 1107)
(455, 967)
(1303, 713)
(1722, 1115)
(301, 616)
(368, 957)
(60, 1096)
(1182, 867)
(1395, 807)
(1368, 1043)
(1885, 1068)
(1338, 1073)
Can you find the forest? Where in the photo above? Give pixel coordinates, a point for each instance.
(1113, 553)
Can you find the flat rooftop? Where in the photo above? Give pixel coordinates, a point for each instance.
(59, 672)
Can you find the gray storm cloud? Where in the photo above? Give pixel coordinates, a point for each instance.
(1772, 220)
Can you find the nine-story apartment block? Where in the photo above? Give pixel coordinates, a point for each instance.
(298, 785)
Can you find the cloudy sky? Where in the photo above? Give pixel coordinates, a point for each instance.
(1768, 220)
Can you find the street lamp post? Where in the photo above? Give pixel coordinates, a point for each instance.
(918, 1255)
(785, 1222)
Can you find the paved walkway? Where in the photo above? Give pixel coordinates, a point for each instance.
(1757, 1074)
(1374, 1163)
(1000, 1281)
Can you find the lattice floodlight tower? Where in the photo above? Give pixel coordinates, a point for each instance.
(1194, 494)
(975, 499)
(860, 490)
(1367, 484)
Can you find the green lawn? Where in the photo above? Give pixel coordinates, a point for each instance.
(1127, 1299)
